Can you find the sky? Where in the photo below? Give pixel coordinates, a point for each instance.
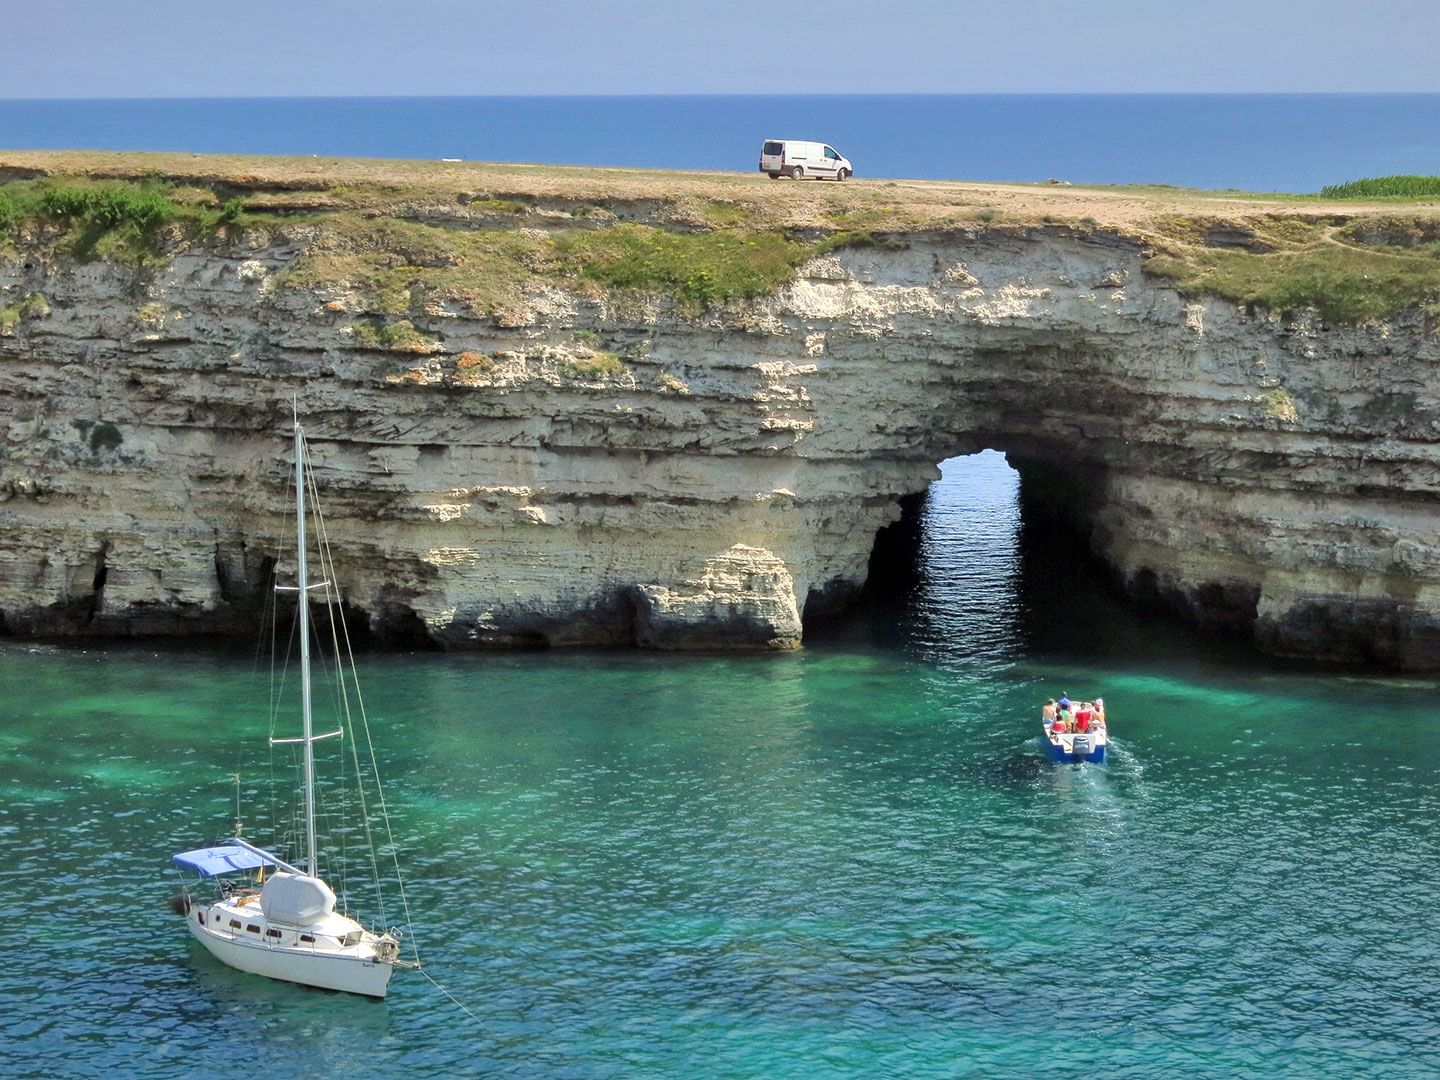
(280, 48)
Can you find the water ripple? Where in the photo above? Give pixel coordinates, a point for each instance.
(853, 862)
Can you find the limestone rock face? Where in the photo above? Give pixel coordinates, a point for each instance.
(612, 470)
(742, 598)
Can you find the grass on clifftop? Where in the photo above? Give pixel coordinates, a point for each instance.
(117, 220)
(401, 268)
(1353, 272)
(1386, 187)
(700, 269)
(392, 254)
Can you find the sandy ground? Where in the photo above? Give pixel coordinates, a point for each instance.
(911, 203)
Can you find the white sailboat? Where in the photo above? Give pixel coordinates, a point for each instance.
(287, 927)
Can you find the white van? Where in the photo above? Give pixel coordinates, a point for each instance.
(797, 160)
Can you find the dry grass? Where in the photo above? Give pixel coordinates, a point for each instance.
(362, 183)
(403, 236)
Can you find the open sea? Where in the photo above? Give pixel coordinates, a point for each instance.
(1269, 142)
(851, 861)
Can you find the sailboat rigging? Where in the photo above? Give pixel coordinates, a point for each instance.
(286, 927)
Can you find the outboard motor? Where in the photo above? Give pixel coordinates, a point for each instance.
(1083, 745)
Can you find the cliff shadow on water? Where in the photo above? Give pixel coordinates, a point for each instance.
(998, 563)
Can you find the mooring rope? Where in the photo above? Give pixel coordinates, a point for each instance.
(457, 1002)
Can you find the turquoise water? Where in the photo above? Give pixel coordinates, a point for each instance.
(848, 862)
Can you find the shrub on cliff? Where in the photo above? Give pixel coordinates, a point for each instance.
(1386, 187)
(30, 306)
(1278, 405)
(402, 336)
(598, 365)
(112, 219)
(11, 212)
(107, 206)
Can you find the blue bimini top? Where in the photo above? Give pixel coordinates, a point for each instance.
(226, 859)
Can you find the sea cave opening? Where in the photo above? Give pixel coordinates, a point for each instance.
(993, 557)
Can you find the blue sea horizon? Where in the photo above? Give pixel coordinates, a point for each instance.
(1255, 142)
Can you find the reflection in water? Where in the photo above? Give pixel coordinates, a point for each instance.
(849, 861)
(968, 592)
(953, 564)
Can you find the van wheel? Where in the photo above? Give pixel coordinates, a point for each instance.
(842, 174)
(797, 173)
(773, 175)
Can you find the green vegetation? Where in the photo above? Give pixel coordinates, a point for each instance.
(472, 366)
(598, 365)
(382, 239)
(401, 267)
(402, 336)
(1278, 405)
(231, 212)
(114, 219)
(723, 214)
(30, 306)
(1354, 273)
(1386, 187)
(498, 206)
(699, 269)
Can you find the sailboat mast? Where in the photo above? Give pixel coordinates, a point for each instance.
(311, 866)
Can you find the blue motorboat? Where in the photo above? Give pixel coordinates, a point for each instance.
(1075, 733)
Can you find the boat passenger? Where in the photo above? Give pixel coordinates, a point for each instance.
(1100, 711)
(1048, 712)
(1082, 719)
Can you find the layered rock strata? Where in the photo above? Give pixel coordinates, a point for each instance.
(718, 478)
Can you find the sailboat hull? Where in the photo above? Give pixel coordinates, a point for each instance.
(351, 974)
(289, 928)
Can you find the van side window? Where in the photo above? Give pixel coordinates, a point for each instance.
(831, 154)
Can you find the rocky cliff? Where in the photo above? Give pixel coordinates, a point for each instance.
(581, 461)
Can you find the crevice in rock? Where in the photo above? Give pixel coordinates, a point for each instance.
(829, 603)
(895, 564)
(629, 600)
(397, 626)
(245, 577)
(97, 584)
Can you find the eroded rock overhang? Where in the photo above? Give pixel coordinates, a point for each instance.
(607, 469)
